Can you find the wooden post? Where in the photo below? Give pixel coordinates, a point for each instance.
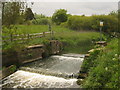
(28, 36)
(11, 37)
(43, 34)
(52, 34)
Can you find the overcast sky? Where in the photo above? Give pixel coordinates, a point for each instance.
(75, 8)
(74, 0)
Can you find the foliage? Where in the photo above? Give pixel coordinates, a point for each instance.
(64, 25)
(37, 16)
(29, 14)
(60, 16)
(114, 13)
(89, 62)
(41, 21)
(105, 73)
(79, 22)
(11, 13)
(13, 68)
(92, 23)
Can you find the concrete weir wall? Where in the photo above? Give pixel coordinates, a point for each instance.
(31, 53)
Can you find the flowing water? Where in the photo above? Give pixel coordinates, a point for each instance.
(57, 71)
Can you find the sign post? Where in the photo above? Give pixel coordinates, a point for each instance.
(101, 25)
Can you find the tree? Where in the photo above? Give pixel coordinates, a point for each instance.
(11, 15)
(11, 12)
(114, 13)
(29, 14)
(60, 16)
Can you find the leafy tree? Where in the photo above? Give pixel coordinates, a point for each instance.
(60, 16)
(113, 13)
(11, 12)
(29, 14)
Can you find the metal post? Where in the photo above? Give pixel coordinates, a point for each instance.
(101, 25)
(100, 33)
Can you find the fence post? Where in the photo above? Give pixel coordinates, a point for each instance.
(11, 37)
(28, 36)
(43, 34)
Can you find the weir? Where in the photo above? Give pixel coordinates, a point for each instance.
(57, 71)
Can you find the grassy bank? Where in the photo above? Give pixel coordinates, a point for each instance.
(102, 67)
(73, 41)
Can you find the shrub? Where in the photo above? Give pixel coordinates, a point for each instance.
(41, 21)
(90, 61)
(93, 23)
(105, 73)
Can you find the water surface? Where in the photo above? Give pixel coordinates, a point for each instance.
(57, 71)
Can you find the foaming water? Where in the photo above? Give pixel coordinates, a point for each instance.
(23, 79)
(57, 71)
(66, 63)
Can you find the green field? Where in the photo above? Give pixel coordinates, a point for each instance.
(73, 41)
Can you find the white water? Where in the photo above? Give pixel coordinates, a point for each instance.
(23, 79)
(59, 64)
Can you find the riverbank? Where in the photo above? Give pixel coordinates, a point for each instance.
(101, 67)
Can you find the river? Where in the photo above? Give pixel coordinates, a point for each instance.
(57, 71)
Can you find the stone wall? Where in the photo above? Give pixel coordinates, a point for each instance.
(56, 46)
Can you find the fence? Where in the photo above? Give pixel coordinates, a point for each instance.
(12, 37)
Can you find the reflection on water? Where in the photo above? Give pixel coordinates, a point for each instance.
(67, 63)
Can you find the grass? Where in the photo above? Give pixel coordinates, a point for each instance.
(32, 28)
(73, 41)
(103, 69)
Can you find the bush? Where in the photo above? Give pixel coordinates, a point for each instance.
(104, 74)
(90, 61)
(41, 21)
(64, 24)
(93, 23)
(80, 22)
